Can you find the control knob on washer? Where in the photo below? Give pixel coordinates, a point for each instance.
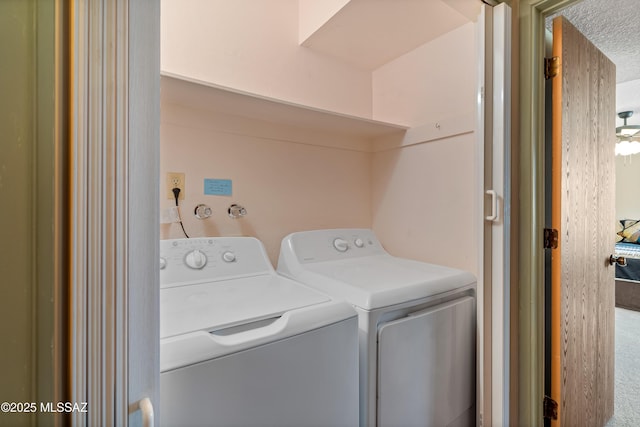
(340, 244)
(196, 259)
(229, 256)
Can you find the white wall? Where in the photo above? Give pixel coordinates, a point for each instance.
(423, 201)
(419, 198)
(253, 46)
(627, 187)
(431, 83)
(628, 99)
(313, 14)
(285, 181)
(628, 167)
(424, 194)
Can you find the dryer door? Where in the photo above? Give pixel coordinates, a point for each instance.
(426, 367)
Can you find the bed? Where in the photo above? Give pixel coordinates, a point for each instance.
(628, 278)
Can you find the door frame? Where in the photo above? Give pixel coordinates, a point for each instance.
(114, 127)
(527, 267)
(494, 297)
(527, 310)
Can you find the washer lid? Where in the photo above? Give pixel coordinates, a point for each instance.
(382, 280)
(218, 305)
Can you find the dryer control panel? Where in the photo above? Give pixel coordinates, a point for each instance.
(187, 261)
(333, 244)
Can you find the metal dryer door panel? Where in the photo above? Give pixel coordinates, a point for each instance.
(426, 367)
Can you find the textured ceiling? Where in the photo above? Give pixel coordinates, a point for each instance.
(611, 25)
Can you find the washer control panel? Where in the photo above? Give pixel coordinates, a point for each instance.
(334, 244)
(195, 259)
(186, 261)
(340, 244)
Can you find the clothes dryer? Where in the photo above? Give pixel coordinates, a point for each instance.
(243, 346)
(417, 325)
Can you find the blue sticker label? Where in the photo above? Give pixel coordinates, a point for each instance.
(217, 187)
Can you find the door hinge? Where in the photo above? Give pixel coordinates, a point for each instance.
(550, 239)
(550, 408)
(551, 67)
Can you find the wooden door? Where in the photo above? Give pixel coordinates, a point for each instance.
(583, 205)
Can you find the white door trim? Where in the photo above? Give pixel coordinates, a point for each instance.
(495, 188)
(99, 250)
(501, 235)
(104, 184)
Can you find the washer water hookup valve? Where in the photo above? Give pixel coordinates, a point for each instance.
(236, 211)
(202, 211)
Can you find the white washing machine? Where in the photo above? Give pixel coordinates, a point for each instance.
(417, 325)
(241, 345)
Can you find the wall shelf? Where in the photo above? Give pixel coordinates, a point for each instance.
(212, 98)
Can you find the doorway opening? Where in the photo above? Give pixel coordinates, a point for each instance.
(605, 25)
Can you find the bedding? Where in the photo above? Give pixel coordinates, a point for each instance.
(628, 278)
(631, 251)
(630, 232)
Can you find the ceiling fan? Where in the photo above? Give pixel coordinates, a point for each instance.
(628, 136)
(627, 132)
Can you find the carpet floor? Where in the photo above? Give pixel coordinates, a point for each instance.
(627, 370)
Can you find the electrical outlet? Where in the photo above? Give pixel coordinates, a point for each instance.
(175, 180)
